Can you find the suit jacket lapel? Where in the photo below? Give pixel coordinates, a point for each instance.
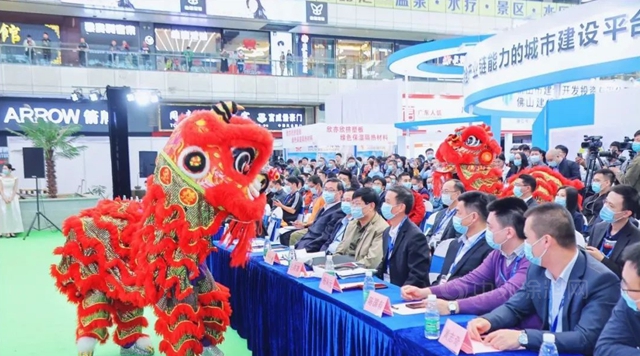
(399, 237)
(622, 242)
(597, 238)
(574, 291)
(465, 257)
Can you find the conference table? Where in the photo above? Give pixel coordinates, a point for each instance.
(280, 315)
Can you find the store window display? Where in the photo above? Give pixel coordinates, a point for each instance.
(246, 52)
(187, 48)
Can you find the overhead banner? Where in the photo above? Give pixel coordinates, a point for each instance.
(323, 135)
(184, 6)
(270, 10)
(271, 118)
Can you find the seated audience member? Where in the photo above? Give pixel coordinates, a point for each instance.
(418, 210)
(292, 203)
(468, 251)
(572, 293)
(442, 228)
(406, 255)
(601, 185)
(363, 237)
(418, 186)
(520, 163)
(330, 215)
(568, 197)
(616, 231)
(331, 245)
(380, 187)
(621, 335)
(524, 148)
(504, 270)
(353, 167)
(367, 182)
(536, 157)
(322, 175)
(276, 192)
(523, 188)
(499, 162)
(332, 168)
(557, 159)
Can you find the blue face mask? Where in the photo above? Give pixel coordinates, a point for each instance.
(329, 197)
(490, 238)
(386, 211)
(287, 189)
(331, 166)
(553, 164)
(517, 162)
(377, 189)
(534, 159)
(400, 165)
(415, 187)
(273, 190)
(596, 187)
(607, 215)
(457, 225)
(528, 253)
(635, 147)
(376, 169)
(429, 157)
(430, 186)
(630, 302)
(356, 212)
(306, 187)
(561, 201)
(346, 207)
(512, 156)
(517, 191)
(351, 164)
(446, 199)
(407, 185)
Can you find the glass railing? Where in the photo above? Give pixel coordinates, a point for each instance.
(194, 62)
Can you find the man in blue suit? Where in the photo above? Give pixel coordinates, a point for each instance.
(620, 335)
(330, 215)
(569, 290)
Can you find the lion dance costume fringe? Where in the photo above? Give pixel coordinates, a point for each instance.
(467, 155)
(122, 256)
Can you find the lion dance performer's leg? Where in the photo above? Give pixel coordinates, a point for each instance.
(94, 317)
(213, 299)
(130, 321)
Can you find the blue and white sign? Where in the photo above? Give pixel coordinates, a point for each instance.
(588, 41)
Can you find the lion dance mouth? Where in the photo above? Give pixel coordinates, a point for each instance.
(122, 256)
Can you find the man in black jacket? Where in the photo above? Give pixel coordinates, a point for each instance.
(330, 215)
(557, 159)
(616, 232)
(406, 257)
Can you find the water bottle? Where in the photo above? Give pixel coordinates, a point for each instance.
(432, 319)
(267, 246)
(548, 347)
(368, 286)
(329, 267)
(292, 253)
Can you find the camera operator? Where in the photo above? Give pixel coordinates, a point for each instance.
(630, 174)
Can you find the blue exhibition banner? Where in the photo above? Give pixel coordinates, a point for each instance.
(276, 118)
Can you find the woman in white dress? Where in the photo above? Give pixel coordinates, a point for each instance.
(10, 217)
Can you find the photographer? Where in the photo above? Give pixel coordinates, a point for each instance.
(631, 174)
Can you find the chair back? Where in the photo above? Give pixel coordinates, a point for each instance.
(275, 220)
(437, 260)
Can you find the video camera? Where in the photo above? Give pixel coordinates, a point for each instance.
(626, 144)
(592, 143)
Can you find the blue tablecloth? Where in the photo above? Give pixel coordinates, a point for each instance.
(280, 315)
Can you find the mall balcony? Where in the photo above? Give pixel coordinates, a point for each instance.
(193, 77)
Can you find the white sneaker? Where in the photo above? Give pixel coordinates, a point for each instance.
(212, 351)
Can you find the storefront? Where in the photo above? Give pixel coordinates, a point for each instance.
(246, 52)
(30, 43)
(194, 49)
(111, 43)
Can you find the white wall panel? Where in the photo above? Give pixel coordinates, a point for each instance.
(24, 80)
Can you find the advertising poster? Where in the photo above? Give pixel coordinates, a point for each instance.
(271, 10)
(14, 35)
(177, 39)
(281, 44)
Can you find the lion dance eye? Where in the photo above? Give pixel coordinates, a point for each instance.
(472, 141)
(193, 161)
(242, 159)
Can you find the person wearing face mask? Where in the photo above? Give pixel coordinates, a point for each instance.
(292, 170)
(331, 214)
(536, 157)
(332, 167)
(499, 276)
(276, 193)
(406, 255)
(429, 154)
(572, 293)
(523, 188)
(311, 209)
(292, 204)
(418, 210)
(353, 167)
(348, 180)
(568, 197)
(630, 172)
(380, 187)
(620, 335)
(363, 236)
(557, 159)
(436, 202)
(336, 236)
(442, 228)
(418, 186)
(375, 171)
(616, 231)
(520, 163)
(338, 161)
(468, 251)
(10, 215)
(601, 185)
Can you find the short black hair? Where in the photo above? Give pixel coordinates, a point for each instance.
(278, 181)
(429, 150)
(381, 180)
(476, 201)
(331, 175)
(458, 186)
(293, 180)
(403, 196)
(367, 195)
(501, 157)
(631, 254)
(571, 195)
(344, 172)
(404, 174)
(553, 220)
(615, 144)
(336, 180)
(607, 173)
(510, 213)
(315, 180)
(529, 181)
(537, 149)
(563, 148)
(630, 199)
(303, 158)
(289, 161)
(636, 134)
(524, 147)
(339, 154)
(367, 180)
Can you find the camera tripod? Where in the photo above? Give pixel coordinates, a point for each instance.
(592, 167)
(38, 215)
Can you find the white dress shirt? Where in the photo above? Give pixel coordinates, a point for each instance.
(558, 288)
(467, 243)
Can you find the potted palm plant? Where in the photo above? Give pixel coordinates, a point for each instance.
(56, 141)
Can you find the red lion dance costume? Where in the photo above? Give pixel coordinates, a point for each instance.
(122, 256)
(469, 152)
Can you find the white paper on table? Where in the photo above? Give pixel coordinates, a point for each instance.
(352, 272)
(402, 309)
(477, 347)
(282, 230)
